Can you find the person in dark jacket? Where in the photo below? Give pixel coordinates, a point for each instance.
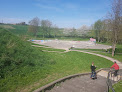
(116, 67)
(93, 75)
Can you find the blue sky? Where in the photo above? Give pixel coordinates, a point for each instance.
(63, 13)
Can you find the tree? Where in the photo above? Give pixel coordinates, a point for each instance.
(55, 30)
(97, 28)
(91, 32)
(83, 31)
(34, 26)
(115, 17)
(107, 29)
(46, 27)
(73, 33)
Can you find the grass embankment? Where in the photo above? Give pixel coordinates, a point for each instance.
(117, 87)
(16, 29)
(18, 61)
(46, 48)
(25, 68)
(20, 29)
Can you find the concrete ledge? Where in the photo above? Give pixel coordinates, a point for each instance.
(52, 84)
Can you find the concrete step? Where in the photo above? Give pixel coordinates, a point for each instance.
(104, 73)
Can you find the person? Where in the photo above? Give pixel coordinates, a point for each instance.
(93, 75)
(116, 67)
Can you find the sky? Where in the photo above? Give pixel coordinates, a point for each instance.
(63, 13)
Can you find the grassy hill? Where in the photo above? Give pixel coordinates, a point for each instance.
(17, 59)
(20, 29)
(16, 29)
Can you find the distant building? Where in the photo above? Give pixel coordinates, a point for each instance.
(21, 23)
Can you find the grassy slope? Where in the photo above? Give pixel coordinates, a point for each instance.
(20, 29)
(118, 87)
(18, 61)
(118, 53)
(16, 29)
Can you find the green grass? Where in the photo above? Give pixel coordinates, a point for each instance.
(59, 65)
(117, 87)
(117, 56)
(50, 49)
(30, 68)
(100, 50)
(39, 45)
(25, 68)
(118, 53)
(20, 29)
(47, 48)
(7, 26)
(64, 64)
(18, 59)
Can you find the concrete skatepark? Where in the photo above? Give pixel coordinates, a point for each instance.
(62, 44)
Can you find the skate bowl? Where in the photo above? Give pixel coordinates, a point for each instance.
(63, 44)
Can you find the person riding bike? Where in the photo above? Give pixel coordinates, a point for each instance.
(116, 67)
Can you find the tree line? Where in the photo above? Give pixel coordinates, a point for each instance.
(45, 28)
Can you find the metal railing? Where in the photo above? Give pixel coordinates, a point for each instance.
(109, 81)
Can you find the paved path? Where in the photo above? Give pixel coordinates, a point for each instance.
(81, 84)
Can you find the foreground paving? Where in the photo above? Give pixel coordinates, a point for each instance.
(82, 84)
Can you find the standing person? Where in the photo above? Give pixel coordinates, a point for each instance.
(116, 67)
(93, 75)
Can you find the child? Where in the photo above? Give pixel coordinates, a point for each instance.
(93, 75)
